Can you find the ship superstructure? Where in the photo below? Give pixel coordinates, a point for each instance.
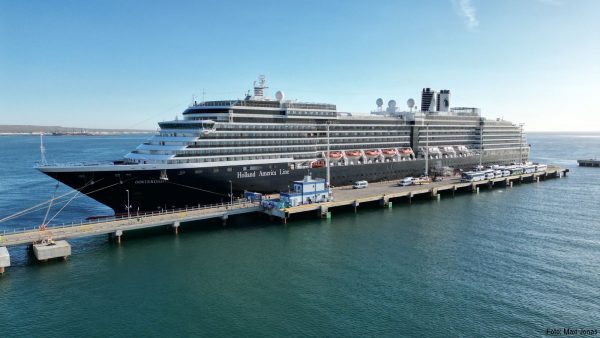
(262, 144)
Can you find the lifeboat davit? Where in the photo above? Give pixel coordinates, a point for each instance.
(372, 153)
(353, 154)
(389, 152)
(335, 155)
(317, 164)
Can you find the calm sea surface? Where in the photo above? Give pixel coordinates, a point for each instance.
(507, 262)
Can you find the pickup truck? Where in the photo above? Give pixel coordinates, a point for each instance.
(421, 180)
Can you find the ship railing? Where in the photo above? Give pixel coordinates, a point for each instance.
(75, 164)
(141, 218)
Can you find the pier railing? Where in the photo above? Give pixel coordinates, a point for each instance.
(138, 216)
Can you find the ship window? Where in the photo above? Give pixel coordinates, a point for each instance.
(198, 171)
(229, 169)
(215, 170)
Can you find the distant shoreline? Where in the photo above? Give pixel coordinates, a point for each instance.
(31, 130)
(82, 135)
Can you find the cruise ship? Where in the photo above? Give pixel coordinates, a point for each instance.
(220, 149)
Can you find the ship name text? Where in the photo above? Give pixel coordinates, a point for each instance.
(261, 173)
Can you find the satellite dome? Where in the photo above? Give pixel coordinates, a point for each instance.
(410, 103)
(379, 102)
(392, 103)
(279, 95)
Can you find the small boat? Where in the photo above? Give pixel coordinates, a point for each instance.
(335, 155)
(353, 154)
(406, 151)
(317, 164)
(389, 152)
(372, 153)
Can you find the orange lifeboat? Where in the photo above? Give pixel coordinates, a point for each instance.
(317, 164)
(372, 153)
(389, 152)
(406, 151)
(335, 155)
(353, 153)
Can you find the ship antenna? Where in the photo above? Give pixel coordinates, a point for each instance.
(259, 88)
(42, 151)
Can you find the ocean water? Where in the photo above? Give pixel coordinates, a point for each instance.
(509, 262)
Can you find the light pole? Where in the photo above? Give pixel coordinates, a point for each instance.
(128, 206)
(230, 192)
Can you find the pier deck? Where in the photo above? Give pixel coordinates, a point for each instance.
(381, 192)
(385, 191)
(589, 163)
(99, 227)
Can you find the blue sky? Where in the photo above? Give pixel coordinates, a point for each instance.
(129, 64)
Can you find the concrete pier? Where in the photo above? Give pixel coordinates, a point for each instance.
(4, 259)
(589, 163)
(44, 252)
(385, 192)
(382, 193)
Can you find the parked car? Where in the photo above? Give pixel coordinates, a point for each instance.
(360, 185)
(406, 181)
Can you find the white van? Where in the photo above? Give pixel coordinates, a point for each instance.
(405, 181)
(360, 185)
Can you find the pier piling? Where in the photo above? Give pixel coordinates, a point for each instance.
(384, 201)
(176, 225)
(224, 219)
(323, 210)
(4, 259)
(118, 235)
